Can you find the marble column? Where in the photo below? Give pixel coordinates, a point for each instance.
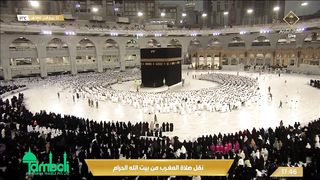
(122, 52)
(5, 62)
(99, 53)
(205, 60)
(42, 55)
(220, 59)
(73, 60)
(99, 63)
(184, 52)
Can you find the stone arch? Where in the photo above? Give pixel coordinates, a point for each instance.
(174, 43)
(236, 42)
(132, 57)
(30, 57)
(85, 44)
(21, 43)
(261, 41)
(259, 59)
(152, 43)
(110, 54)
(286, 39)
(251, 59)
(86, 59)
(312, 37)
(268, 59)
(132, 43)
(110, 44)
(194, 43)
(56, 44)
(214, 42)
(58, 58)
(242, 59)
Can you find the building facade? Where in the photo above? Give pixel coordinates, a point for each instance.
(42, 55)
(45, 48)
(263, 12)
(106, 10)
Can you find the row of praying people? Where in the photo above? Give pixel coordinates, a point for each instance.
(232, 93)
(9, 87)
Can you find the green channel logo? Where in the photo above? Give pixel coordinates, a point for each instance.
(34, 168)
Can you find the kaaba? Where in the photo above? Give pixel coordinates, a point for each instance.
(160, 66)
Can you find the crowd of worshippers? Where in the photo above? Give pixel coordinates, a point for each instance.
(232, 93)
(78, 136)
(256, 153)
(315, 83)
(9, 88)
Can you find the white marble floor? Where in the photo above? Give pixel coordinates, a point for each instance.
(301, 102)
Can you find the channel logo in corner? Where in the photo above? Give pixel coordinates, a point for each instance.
(34, 168)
